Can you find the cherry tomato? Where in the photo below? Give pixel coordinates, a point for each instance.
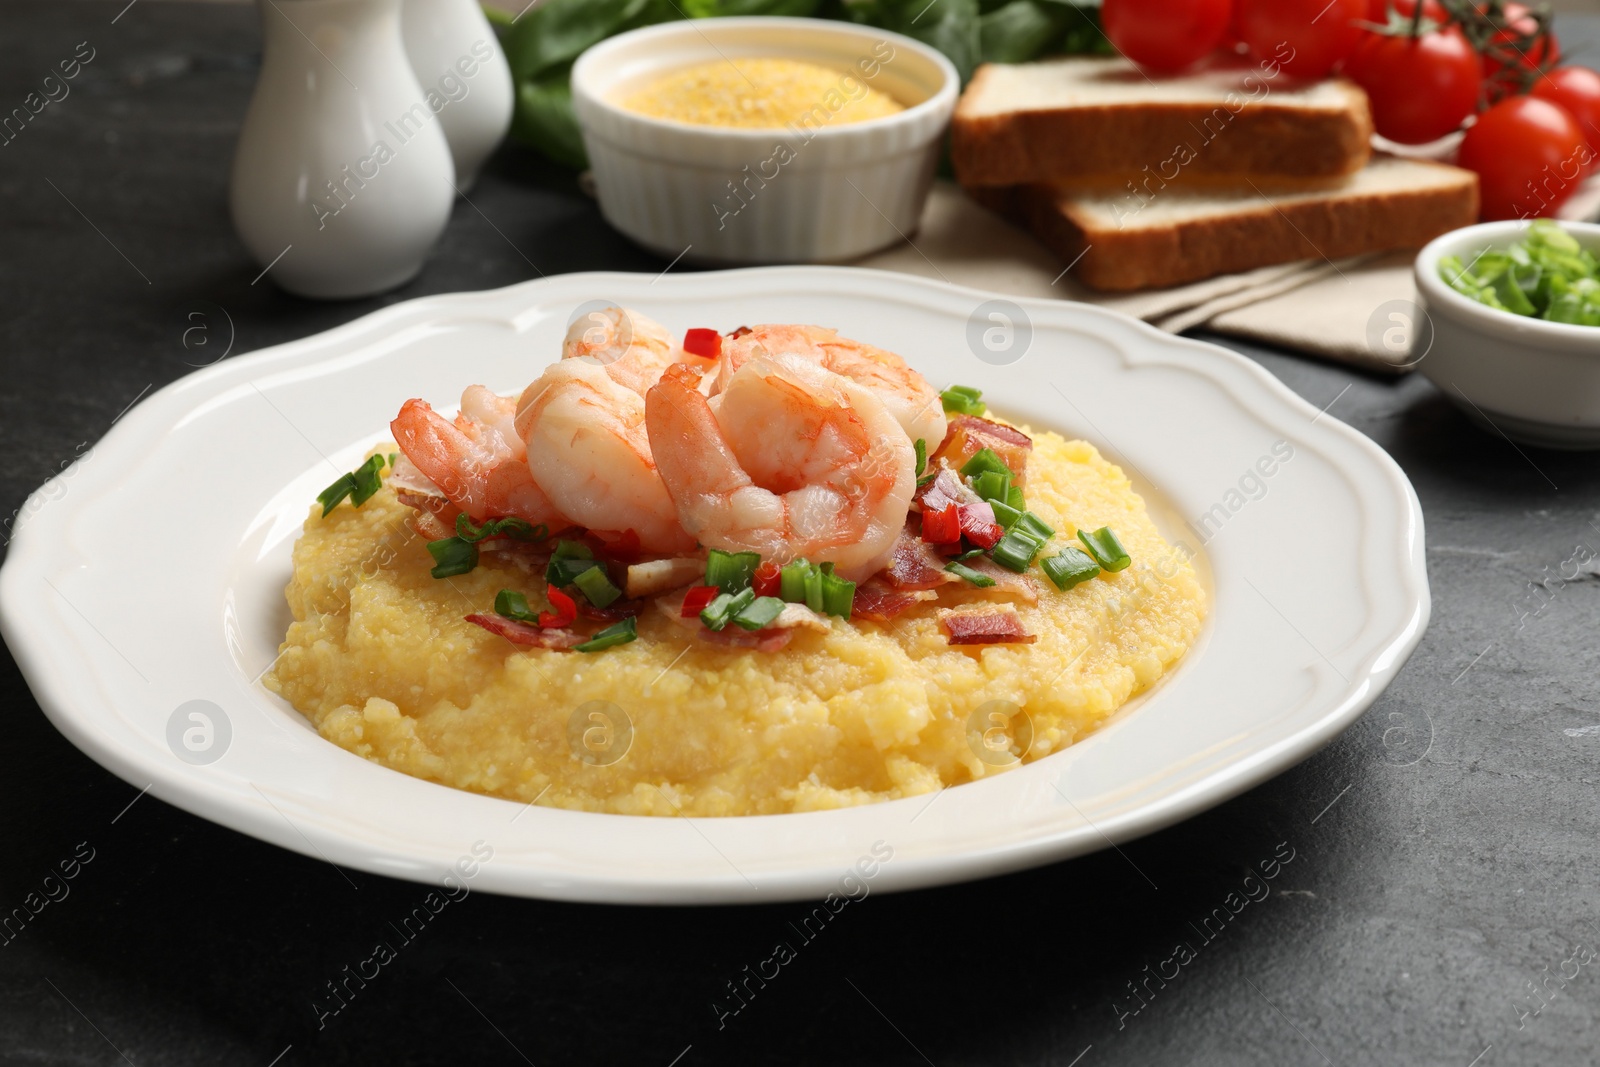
(1378, 10)
(1307, 38)
(1529, 156)
(1165, 35)
(1505, 61)
(1577, 89)
(1420, 88)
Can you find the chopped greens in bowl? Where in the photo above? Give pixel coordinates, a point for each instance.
(1547, 275)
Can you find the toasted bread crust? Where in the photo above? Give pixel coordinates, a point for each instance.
(1117, 142)
(1259, 235)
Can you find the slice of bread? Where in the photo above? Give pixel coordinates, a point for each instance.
(1183, 233)
(1092, 119)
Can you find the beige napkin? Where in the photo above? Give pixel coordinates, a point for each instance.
(1338, 310)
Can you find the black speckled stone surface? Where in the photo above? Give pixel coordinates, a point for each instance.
(1443, 880)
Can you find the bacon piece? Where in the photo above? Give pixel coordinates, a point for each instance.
(615, 611)
(767, 640)
(914, 564)
(877, 601)
(434, 517)
(968, 435)
(991, 626)
(526, 635)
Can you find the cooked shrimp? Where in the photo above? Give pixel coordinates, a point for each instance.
(478, 461)
(789, 459)
(590, 452)
(634, 349)
(910, 399)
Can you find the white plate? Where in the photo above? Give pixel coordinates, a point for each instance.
(150, 574)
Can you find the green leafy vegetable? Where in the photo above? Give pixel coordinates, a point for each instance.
(570, 559)
(961, 570)
(922, 456)
(963, 400)
(1104, 545)
(1016, 550)
(1546, 275)
(618, 634)
(358, 485)
(721, 611)
(1069, 568)
(759, 612)
(514, 605)
(452, 556)
(731, 571)
(597, 586)
(516, 529)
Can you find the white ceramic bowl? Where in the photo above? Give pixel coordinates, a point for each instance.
(1532, 380)
(820, 193)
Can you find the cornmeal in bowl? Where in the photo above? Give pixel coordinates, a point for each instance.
(759, 94)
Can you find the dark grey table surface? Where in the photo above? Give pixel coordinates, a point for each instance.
(1442, 890)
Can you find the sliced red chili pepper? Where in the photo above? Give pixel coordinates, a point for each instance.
(697, 598)
(768, 579)
(942, 527)
(704, 343)
(566, 609)
(978, 525)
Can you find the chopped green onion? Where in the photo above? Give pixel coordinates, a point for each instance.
(1005, 514)
(968, 554)
(961, 570)
(453, 556)
(392, 457)
(1035, 527)
(359, 485)
(731, 571)
(564, 572)
(514, 528)
(792, 581)
(760, 612)
(331, 497)
(1069, 568)
(720, 611)
(992, 485)
(1106, 548)
(368, 479)
(513, 605)
(814, 589)
(922, 456)
(1016, 551)
(616, 634)
(597, 585)
(570, 559)
(838, 595)
(1015, 499)
(985, 459)
(963, 400)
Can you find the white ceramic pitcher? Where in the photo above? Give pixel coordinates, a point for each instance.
(343, 178)
(456, 57)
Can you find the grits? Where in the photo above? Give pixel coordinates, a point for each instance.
(381, 661)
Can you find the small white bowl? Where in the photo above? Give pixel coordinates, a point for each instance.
(793, 195)
(1532, 380)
